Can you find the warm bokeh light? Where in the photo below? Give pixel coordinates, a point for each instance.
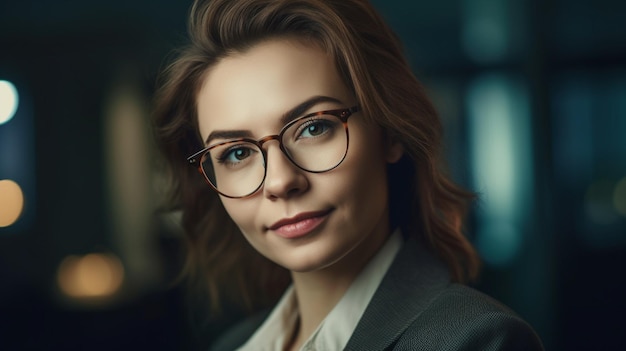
(11, 202)
(8, 101)
(619, 197)
(90, 276)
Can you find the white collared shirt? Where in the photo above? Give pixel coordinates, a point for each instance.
(337, 328)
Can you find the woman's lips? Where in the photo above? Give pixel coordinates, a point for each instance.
(299, 225)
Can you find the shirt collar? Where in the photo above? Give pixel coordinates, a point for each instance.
(335, 330)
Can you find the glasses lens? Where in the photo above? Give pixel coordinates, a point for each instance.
(235, 168)
(316, 144)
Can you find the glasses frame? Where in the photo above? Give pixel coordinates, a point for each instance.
(342, 114)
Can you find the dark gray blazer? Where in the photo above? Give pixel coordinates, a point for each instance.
(417, 308)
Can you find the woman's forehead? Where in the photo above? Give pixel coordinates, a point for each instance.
(266, 80)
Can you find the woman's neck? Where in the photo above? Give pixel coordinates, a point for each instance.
(319, 291)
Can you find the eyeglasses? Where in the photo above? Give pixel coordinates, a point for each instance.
(316, 143)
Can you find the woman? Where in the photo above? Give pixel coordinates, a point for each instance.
(320, 180)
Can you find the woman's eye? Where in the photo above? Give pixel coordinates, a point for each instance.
(235, 155)
(314, 129)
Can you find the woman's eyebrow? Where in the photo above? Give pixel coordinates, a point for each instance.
(289, 116)
(228, 134)
(301, 108)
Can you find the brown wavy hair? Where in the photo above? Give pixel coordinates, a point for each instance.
(424, 202)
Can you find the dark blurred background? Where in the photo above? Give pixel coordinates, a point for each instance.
(532, 94)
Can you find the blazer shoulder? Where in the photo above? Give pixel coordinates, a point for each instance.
(460, 317)
(240, 332)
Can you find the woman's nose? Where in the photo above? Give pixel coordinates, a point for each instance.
(283, 179)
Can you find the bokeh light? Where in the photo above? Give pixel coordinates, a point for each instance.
(11, 202)
(91, 276)
(500, 147)
(9, 100)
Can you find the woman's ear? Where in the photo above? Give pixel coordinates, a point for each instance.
(395, 150)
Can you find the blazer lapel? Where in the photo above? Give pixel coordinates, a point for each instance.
(414, 278)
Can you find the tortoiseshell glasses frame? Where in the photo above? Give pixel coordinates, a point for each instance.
(315, 143)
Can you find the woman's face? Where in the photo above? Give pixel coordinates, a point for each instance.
(302, 221)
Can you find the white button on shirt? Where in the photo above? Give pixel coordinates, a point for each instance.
(337, 328)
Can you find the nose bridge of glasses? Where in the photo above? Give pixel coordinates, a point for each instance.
(280, 145)
(268, 138)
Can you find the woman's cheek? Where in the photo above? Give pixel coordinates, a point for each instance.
(242, 212)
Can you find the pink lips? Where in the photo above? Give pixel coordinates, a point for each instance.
(299, 225)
